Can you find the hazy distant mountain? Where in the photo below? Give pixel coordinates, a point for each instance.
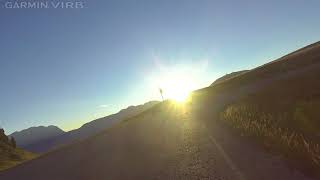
(35, 134)
(228, 76)
(88, 129)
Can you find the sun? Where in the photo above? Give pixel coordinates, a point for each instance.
(176, 81)
(181, 96)
(177, 88)
(177, 93)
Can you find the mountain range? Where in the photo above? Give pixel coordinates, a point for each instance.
(42, 139)
(33, 135)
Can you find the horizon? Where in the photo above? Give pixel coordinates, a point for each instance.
(81, 124)
(67, 67)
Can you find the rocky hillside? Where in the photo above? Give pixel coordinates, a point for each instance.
(10, 155)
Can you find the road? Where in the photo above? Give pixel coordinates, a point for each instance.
(168, 142)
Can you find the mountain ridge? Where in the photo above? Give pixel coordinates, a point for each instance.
(228, 76)
(37, 133)
(87, 129)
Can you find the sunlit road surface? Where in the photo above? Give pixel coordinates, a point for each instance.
(169, 142)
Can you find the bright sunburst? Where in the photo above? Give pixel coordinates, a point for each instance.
(176, 87)
(180, 96)
(177, 81)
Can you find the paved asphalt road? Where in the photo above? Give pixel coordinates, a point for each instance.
(169, 142)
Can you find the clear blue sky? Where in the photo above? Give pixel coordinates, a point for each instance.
(68, 66)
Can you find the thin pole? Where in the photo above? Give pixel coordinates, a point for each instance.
(161, 92)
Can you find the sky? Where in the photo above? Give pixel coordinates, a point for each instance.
(68, 66)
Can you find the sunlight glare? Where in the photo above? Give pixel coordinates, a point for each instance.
(177, 81)
(177, 87)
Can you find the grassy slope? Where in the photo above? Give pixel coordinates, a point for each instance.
(10, 156)
(277, 103)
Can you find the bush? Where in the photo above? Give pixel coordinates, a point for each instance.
(268, 128)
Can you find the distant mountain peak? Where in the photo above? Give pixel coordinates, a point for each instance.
(34, 134)
(86, 130)
(37, 128)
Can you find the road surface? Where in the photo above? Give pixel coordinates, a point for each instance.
(168, 142)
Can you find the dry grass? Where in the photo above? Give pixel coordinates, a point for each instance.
(10, 156)
(270, 129)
